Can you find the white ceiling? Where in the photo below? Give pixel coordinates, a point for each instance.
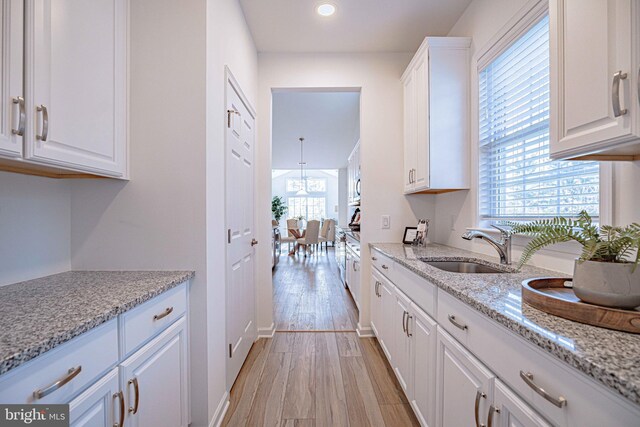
(357, 25)
(329, 122)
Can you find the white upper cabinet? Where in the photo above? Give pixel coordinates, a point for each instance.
(436, 117)
(12, 116)
(595, 73)
(76, 84)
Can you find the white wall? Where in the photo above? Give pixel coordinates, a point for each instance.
(482, 20)
(35, 227)
(343, 197)
(378, 76)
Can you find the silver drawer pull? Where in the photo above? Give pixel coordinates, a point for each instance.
(385, 267)
(136, 389)
(23, 115)
(457, 324)
(165, 313)
(528, 378)
(479, 395)
(71, 374)
(120, 396)
(615, 94)
(492, 410)
(404, 327)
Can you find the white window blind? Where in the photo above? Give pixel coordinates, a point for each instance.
(517, 179)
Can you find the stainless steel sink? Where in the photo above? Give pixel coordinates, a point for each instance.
(463, 267)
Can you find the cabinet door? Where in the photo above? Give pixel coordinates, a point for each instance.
(402, 342)
(356, 290)
(12, 21)
(376, 304)
(409, 131)
(421, 77)
(509, 410)
(423, 334)
(463, 385)
(76, 77)
(591, 41)
(388, 328)
(157, 376)
(99, 405)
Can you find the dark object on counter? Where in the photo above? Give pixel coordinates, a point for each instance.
(555, 296)
(410, 234)
(354, 225)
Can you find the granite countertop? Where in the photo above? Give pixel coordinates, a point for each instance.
(39, 315)
(610, 357)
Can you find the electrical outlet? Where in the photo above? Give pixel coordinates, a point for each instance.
(386, 222)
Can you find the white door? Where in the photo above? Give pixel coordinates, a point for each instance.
(409, 131)
(402, 343)
(240, 138)
(592, 44)
(154, 381)
(387, 328)
(462, 385)
(508, 410)
(12, 112)
(423, 365)
(100, 405)
(376, 303)
(421, 161)
(76, 61)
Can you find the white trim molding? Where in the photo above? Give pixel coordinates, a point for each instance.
(221, 411)
(268, 332)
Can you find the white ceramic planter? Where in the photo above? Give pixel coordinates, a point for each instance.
(607, 283)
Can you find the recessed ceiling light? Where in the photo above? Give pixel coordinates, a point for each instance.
(326, 9)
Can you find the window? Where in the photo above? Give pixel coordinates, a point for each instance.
(517, 179)
(307, 207)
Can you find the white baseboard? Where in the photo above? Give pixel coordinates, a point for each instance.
(364, 332)
(267, 332)
(221, 411)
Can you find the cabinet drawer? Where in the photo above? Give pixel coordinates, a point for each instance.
(454, 317)
(383, 263)
(146, 321)
(422, 292)
(507, 354)
(90, 355)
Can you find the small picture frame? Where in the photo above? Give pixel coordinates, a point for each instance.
(410, 234)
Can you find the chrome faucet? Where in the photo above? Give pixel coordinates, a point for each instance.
(503, 246)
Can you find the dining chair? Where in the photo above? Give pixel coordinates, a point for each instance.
(324, 231)
(292, 224)
(328, 233)
(310, 236)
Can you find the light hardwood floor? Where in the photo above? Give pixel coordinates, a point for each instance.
(308, 294)
(316, 378)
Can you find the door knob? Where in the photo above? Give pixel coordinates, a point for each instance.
(254, 242)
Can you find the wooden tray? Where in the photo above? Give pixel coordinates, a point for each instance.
(552, 296)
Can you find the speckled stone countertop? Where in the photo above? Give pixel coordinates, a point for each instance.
(38, 315)
(610, 357)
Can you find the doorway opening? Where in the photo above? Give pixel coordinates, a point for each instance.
(315, 136)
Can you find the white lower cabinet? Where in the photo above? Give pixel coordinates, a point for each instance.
(154, 381)
(509, 410)
(387, 295)
(401, 348)
(376, 303)
(101, 405)
(463, 385)
(423, 332)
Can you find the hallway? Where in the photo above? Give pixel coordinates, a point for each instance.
(324, 375)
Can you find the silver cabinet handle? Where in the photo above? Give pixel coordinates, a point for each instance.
(120, 396)
(385, 267)
(457, 324)
(404, 328)
(409, 317)
(527, 377)
(479, 395)
(615, 94)
(71, 374)
(254, 242)
(167, 311)
(410, 175)
(492, 410)
(136, 389)
(23, 115)
(45, 123)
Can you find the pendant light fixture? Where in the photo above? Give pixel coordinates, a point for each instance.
(303, 184)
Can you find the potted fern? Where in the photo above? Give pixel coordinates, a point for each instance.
(606, 272)
(278, 209)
